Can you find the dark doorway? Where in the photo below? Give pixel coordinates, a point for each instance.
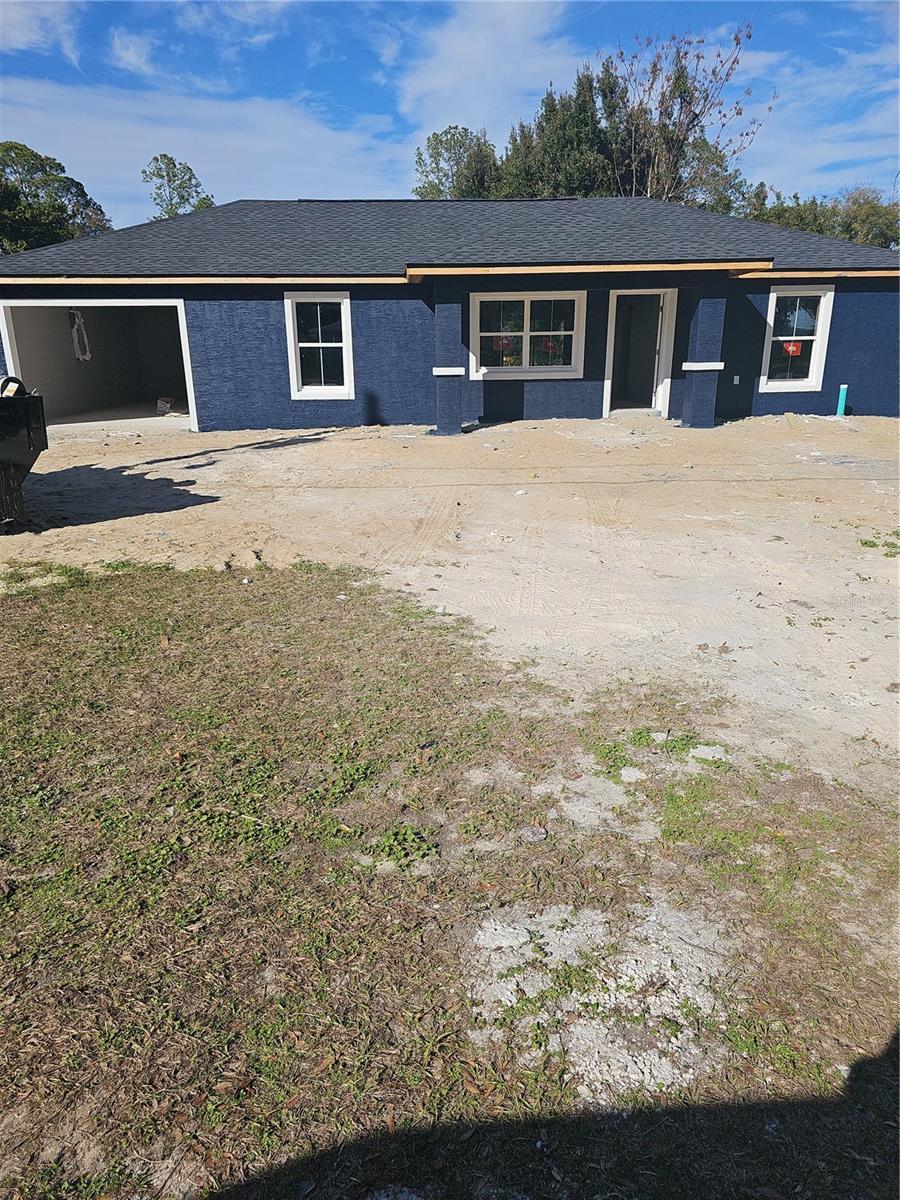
(504, 400)
(635, 346)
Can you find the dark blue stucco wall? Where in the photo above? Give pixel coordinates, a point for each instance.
(240, 361)
(542, 398)
(862, 352)
(239, 358)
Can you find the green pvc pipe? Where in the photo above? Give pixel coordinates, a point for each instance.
(842, 399)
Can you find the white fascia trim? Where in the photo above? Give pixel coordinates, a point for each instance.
(440, 372)
(703, 366)
(12, 357)
(576, 371)
(298, 391)
(817, 363)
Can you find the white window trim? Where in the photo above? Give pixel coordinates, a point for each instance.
(820, 344)
(575, 371)
(313, 391)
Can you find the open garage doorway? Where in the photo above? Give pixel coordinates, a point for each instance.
(102, 361)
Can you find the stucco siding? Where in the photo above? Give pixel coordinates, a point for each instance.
(862, 352)
(239, 353)
(240, 359)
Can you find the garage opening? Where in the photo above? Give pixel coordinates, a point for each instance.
(97, 363)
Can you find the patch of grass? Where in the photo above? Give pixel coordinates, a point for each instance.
(888, 543)
(196, 781)
(52, 1183)
(186, 768)
(611, 756)
(680, 744)
(403, 845)
(766, 1043)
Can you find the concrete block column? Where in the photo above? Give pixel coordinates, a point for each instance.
(448, 396)
(449, 357)
(704, 361)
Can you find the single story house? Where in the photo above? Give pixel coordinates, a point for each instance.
(291, 314)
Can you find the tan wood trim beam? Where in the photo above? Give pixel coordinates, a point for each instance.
(144, 280)
(417, 273)
(881, 273)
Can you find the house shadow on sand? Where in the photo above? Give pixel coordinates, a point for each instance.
(88, 495)
(804, 1149)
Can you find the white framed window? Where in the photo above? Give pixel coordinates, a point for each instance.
(532, 335)
(797, 325)
(320, 349)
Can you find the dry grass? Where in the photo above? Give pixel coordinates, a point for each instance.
(245, 826)
(804, 866)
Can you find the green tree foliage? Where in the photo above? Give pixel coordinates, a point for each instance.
(664, 121)
(518, 175)
(455, 164)
(477, 173)
(25, 225)
(48, 205)
(859, 214)
(176, 188)
(653, 123)
(572, 148)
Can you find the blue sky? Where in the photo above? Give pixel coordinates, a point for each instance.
(287, 98)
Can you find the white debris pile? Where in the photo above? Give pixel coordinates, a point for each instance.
(593, 802)
(625, 1013)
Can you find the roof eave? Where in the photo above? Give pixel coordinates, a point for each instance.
(737, 269)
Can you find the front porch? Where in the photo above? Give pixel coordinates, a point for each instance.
(557, 347)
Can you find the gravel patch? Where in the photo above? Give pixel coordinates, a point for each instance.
(625, 1012)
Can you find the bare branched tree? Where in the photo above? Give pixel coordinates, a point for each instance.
(673, 129)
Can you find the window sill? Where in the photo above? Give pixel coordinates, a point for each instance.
(322, 394)
(527, 373)
(798, 385)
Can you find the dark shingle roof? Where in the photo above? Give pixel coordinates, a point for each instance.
(383, 237)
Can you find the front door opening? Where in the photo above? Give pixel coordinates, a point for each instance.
(636, 351)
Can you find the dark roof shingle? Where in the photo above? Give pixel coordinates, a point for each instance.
(384, 237)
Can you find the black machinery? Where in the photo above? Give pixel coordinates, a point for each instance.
(23, 435)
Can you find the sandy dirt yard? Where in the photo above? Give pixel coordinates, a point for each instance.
(753, 561)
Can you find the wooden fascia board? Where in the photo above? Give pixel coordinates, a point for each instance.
(738, 270)
(848, 273)
(165, 280)
(417, 273)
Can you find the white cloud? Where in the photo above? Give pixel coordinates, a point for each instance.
(831, 126)
(233, 26)
(252, 147)
(487, 64)
(133, 52)
(42, 25)
(834, 121)
(793, 16)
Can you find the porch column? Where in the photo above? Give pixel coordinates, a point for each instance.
(449, 367)
(704, 361)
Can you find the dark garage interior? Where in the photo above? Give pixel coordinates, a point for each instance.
(101, 363)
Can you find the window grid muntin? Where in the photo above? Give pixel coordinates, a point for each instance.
(525, 333)
(328, 380)
(801, 297)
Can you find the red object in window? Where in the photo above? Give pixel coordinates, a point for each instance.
(548, 344)
(498, 343)
(791, 348)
